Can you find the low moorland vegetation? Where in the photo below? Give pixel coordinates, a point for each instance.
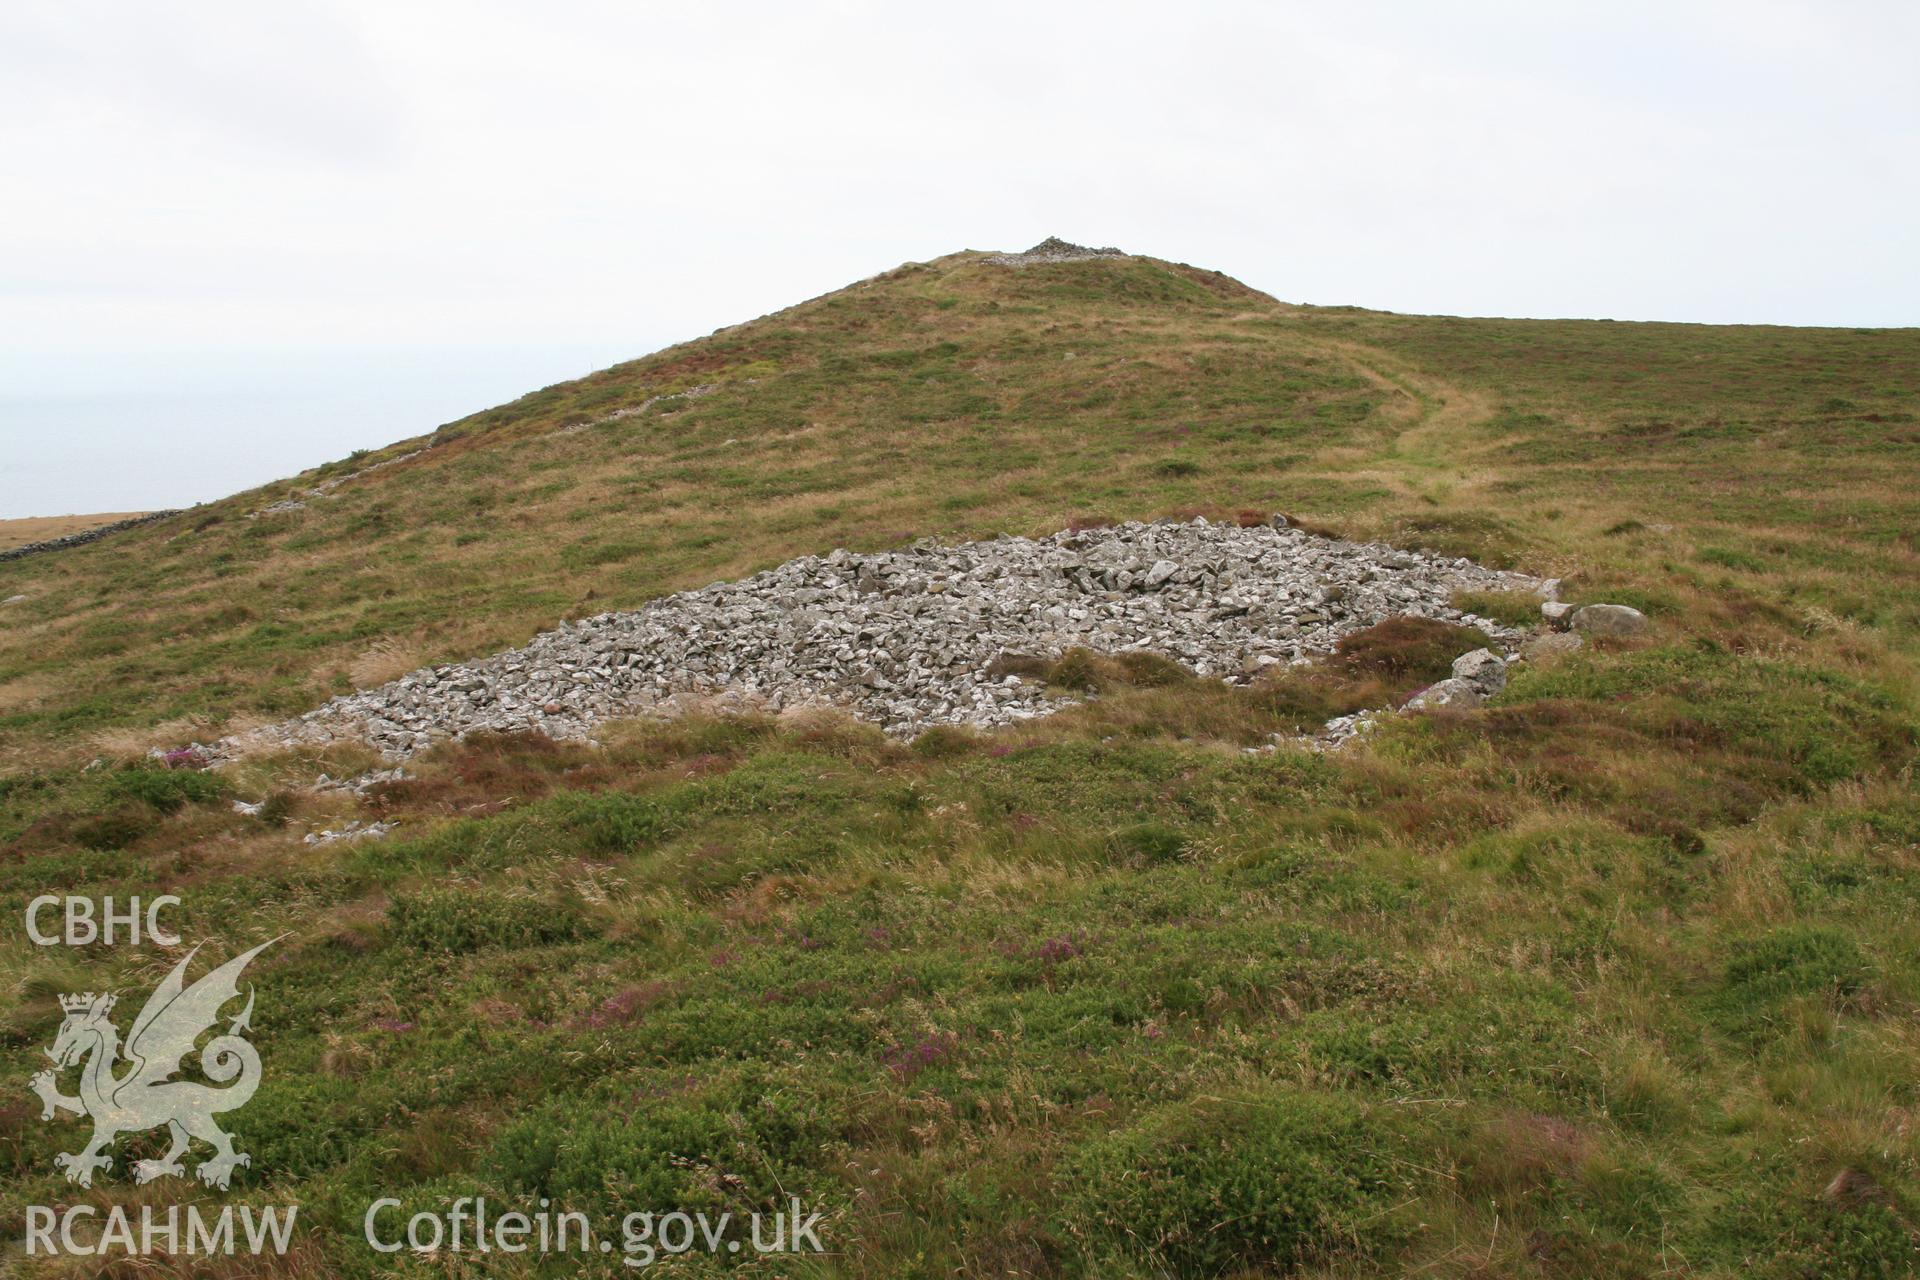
(1615, 976)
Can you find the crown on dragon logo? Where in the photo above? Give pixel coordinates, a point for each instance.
(86, 1000)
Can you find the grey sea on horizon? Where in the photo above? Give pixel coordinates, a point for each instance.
(153, 430)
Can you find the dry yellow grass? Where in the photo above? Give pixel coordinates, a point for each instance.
(21, 530)
(131, 743)
(23, 691)
(385, 660)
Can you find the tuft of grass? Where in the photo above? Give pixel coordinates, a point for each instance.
(1510, 608)
(1223, 1184)
(460, 920)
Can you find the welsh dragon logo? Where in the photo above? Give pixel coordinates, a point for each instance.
(144, 1096)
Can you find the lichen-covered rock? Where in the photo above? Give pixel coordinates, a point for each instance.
(1483, 669)
(1451, 692)
(1609, 620)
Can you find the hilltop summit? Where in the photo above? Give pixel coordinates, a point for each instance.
(1054, 249)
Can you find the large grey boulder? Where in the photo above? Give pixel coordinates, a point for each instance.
(1451, 692)
(1483, 669)
(1609, 620)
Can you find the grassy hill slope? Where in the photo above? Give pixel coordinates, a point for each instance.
(1612, 976)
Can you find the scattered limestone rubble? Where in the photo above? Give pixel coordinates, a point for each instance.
(354, 830)
(1053, 249)
(326, 487)
(1333, 735)
(691, 393)
(909, 638)
(286, 506)
(360, 785)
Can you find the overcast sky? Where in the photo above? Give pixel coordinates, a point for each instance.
(239, 238)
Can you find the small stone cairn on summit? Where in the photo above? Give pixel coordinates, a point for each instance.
(1053, 249)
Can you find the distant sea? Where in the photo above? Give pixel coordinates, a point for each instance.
(148, 430)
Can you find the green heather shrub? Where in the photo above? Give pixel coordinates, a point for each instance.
(303, 1122)
(740, 1143)
(1453, 1045)
(1592, 862)
(612, 822)
(1727, 558)
(1822, 726)
(1794, 960)
(461, 920)
(114, 828)
(1214, 1185)
(276, 809)
(1764, 975)
(1145, 843)
(1867, 1241)
(164, 789)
